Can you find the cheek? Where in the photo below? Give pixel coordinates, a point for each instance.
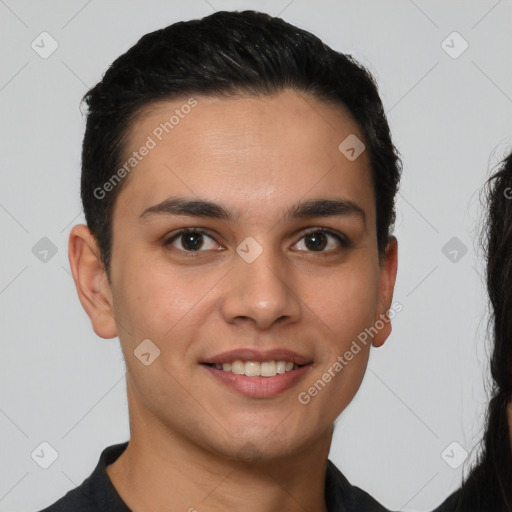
(150, 300)
(346, 302)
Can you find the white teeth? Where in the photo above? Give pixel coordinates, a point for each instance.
(238, 367)
(256, 369)
(252, 369)
(281, 366)
(268, 369)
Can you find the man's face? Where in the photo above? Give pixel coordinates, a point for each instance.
(256, 281)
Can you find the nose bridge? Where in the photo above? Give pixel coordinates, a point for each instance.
(261, 289)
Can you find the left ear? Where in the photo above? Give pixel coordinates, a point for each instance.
(387, 279)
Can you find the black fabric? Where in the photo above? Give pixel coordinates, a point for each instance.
(451, 504)
(340, 496)
(97, 493)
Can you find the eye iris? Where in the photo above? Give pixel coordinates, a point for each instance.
(319, 240)
(192, 241)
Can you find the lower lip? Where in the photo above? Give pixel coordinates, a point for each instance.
(259, 387)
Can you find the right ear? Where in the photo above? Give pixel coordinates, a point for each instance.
(91, 281)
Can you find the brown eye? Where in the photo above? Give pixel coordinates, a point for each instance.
(317, 240)
(191, 240)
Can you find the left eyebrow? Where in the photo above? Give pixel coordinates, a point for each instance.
(325, 208)
(208, 209)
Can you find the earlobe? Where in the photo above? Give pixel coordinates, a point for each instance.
(91, 281)
(383, 326)
(387, 280)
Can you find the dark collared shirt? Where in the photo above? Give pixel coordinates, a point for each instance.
(97, 493)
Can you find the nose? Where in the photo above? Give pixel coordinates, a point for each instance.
(262, 292)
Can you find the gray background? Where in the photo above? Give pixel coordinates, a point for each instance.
(451, 120)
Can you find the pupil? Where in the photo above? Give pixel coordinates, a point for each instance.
(317, 243)
(191, 241)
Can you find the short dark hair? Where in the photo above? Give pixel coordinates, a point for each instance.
(227, 53)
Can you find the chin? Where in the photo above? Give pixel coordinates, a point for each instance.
(265, 444)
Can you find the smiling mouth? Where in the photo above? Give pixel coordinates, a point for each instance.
(255, 368)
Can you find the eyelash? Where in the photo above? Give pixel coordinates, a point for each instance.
(342, 239)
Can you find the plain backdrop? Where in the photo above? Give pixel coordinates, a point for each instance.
(450, 115)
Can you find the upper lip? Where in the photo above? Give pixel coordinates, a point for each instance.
(249, 354)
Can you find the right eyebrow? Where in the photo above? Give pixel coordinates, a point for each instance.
(188, 207)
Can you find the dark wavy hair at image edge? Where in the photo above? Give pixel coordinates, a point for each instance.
(488, 487)
(223, 54)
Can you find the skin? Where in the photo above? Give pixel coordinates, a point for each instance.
(194, 441)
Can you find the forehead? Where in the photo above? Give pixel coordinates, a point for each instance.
(244, 152)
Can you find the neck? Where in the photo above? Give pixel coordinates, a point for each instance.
(160, 470)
